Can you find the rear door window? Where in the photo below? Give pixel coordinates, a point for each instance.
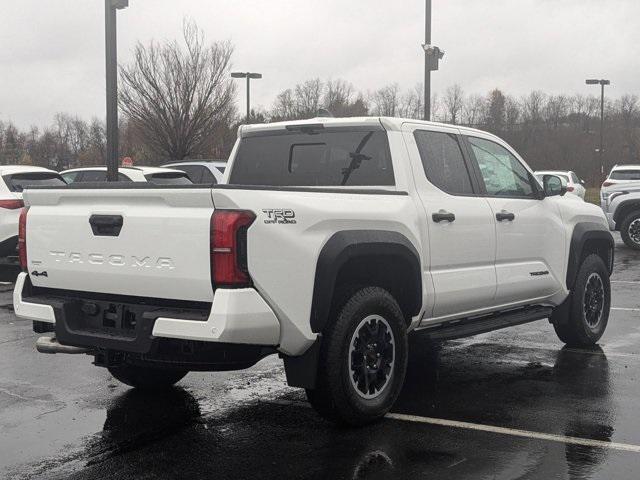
(93, 176)
(19, 181)
(318, 158)
(443, 162)
(169, 178)
(70, 177)
(208, 178)
(194, 172)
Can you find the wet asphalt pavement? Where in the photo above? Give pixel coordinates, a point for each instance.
(61, 417)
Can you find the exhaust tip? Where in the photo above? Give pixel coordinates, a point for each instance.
(50, 345)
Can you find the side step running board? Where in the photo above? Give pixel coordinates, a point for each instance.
(51, 345)
(468, 327)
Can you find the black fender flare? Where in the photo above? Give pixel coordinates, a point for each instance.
(342, 247)
(582, 233)
(346, 245)
(618, 216)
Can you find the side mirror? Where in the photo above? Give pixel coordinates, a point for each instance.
(553, 186)
(582, 182)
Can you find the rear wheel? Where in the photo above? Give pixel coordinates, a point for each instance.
(630, 230)
(588, 308)
(363, 359)
(147, 378)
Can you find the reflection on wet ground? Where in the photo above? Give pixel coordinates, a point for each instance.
(250, 425)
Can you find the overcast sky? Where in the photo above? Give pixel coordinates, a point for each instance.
(52, 52)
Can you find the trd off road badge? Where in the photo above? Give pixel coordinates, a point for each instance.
(280, 215)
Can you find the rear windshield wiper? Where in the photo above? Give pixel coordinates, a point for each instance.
(356, 159)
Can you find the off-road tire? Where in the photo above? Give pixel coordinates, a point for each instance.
(147, 378)
(335, 397)
(574, 328)
(624, 229)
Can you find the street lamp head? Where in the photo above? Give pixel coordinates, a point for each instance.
(246, 75)
(120, 4)
(595, 81)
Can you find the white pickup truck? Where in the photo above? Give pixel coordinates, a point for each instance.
(333, 240)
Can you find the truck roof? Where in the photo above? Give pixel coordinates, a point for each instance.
(388, 123)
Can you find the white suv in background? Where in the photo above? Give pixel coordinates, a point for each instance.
(620, 178)
(202, 172)
(573, 183)
(157, 175)
(15, 178)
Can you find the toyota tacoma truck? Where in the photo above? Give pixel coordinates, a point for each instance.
(333, 239)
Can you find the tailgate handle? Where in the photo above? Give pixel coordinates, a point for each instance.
(106, 225)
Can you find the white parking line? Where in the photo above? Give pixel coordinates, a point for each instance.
(620, 309)
(631, 282)
(516, 432)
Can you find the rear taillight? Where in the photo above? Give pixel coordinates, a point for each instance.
(570, 189)
(22, 239)
(229, 248)
(11, 204)
(608, 183)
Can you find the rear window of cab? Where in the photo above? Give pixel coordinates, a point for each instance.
(314, 158)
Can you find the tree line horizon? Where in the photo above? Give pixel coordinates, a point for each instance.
(177, 100)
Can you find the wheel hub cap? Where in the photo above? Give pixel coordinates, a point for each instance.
(593, 303)
(371, 356)
(634, 231)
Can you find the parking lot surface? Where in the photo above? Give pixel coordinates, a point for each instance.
(509, 404)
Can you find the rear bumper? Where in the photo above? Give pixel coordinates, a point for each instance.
(236, 317)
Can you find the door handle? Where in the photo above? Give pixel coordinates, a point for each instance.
(504, 215)
(443, 216)
(106, 225)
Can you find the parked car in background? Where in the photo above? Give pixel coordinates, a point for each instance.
(157, 175)
(573, 183)
(203, 172)
(622, 209)
(15, 178)
(619, 179)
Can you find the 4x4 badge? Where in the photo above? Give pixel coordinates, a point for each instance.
(40, 274)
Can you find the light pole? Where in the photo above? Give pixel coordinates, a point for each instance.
(249, 76)
(432, 56)
(602, 83)
(111, 42)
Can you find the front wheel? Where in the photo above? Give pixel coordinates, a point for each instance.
(630, 230)
(588, 308)
(147, 378)
(363, 359)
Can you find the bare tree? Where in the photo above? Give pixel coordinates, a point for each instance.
(176, 95)
(386, 100)
(453, 101)
(473, 110)
(308, 97)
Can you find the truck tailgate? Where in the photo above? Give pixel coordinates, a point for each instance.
(161, 249)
